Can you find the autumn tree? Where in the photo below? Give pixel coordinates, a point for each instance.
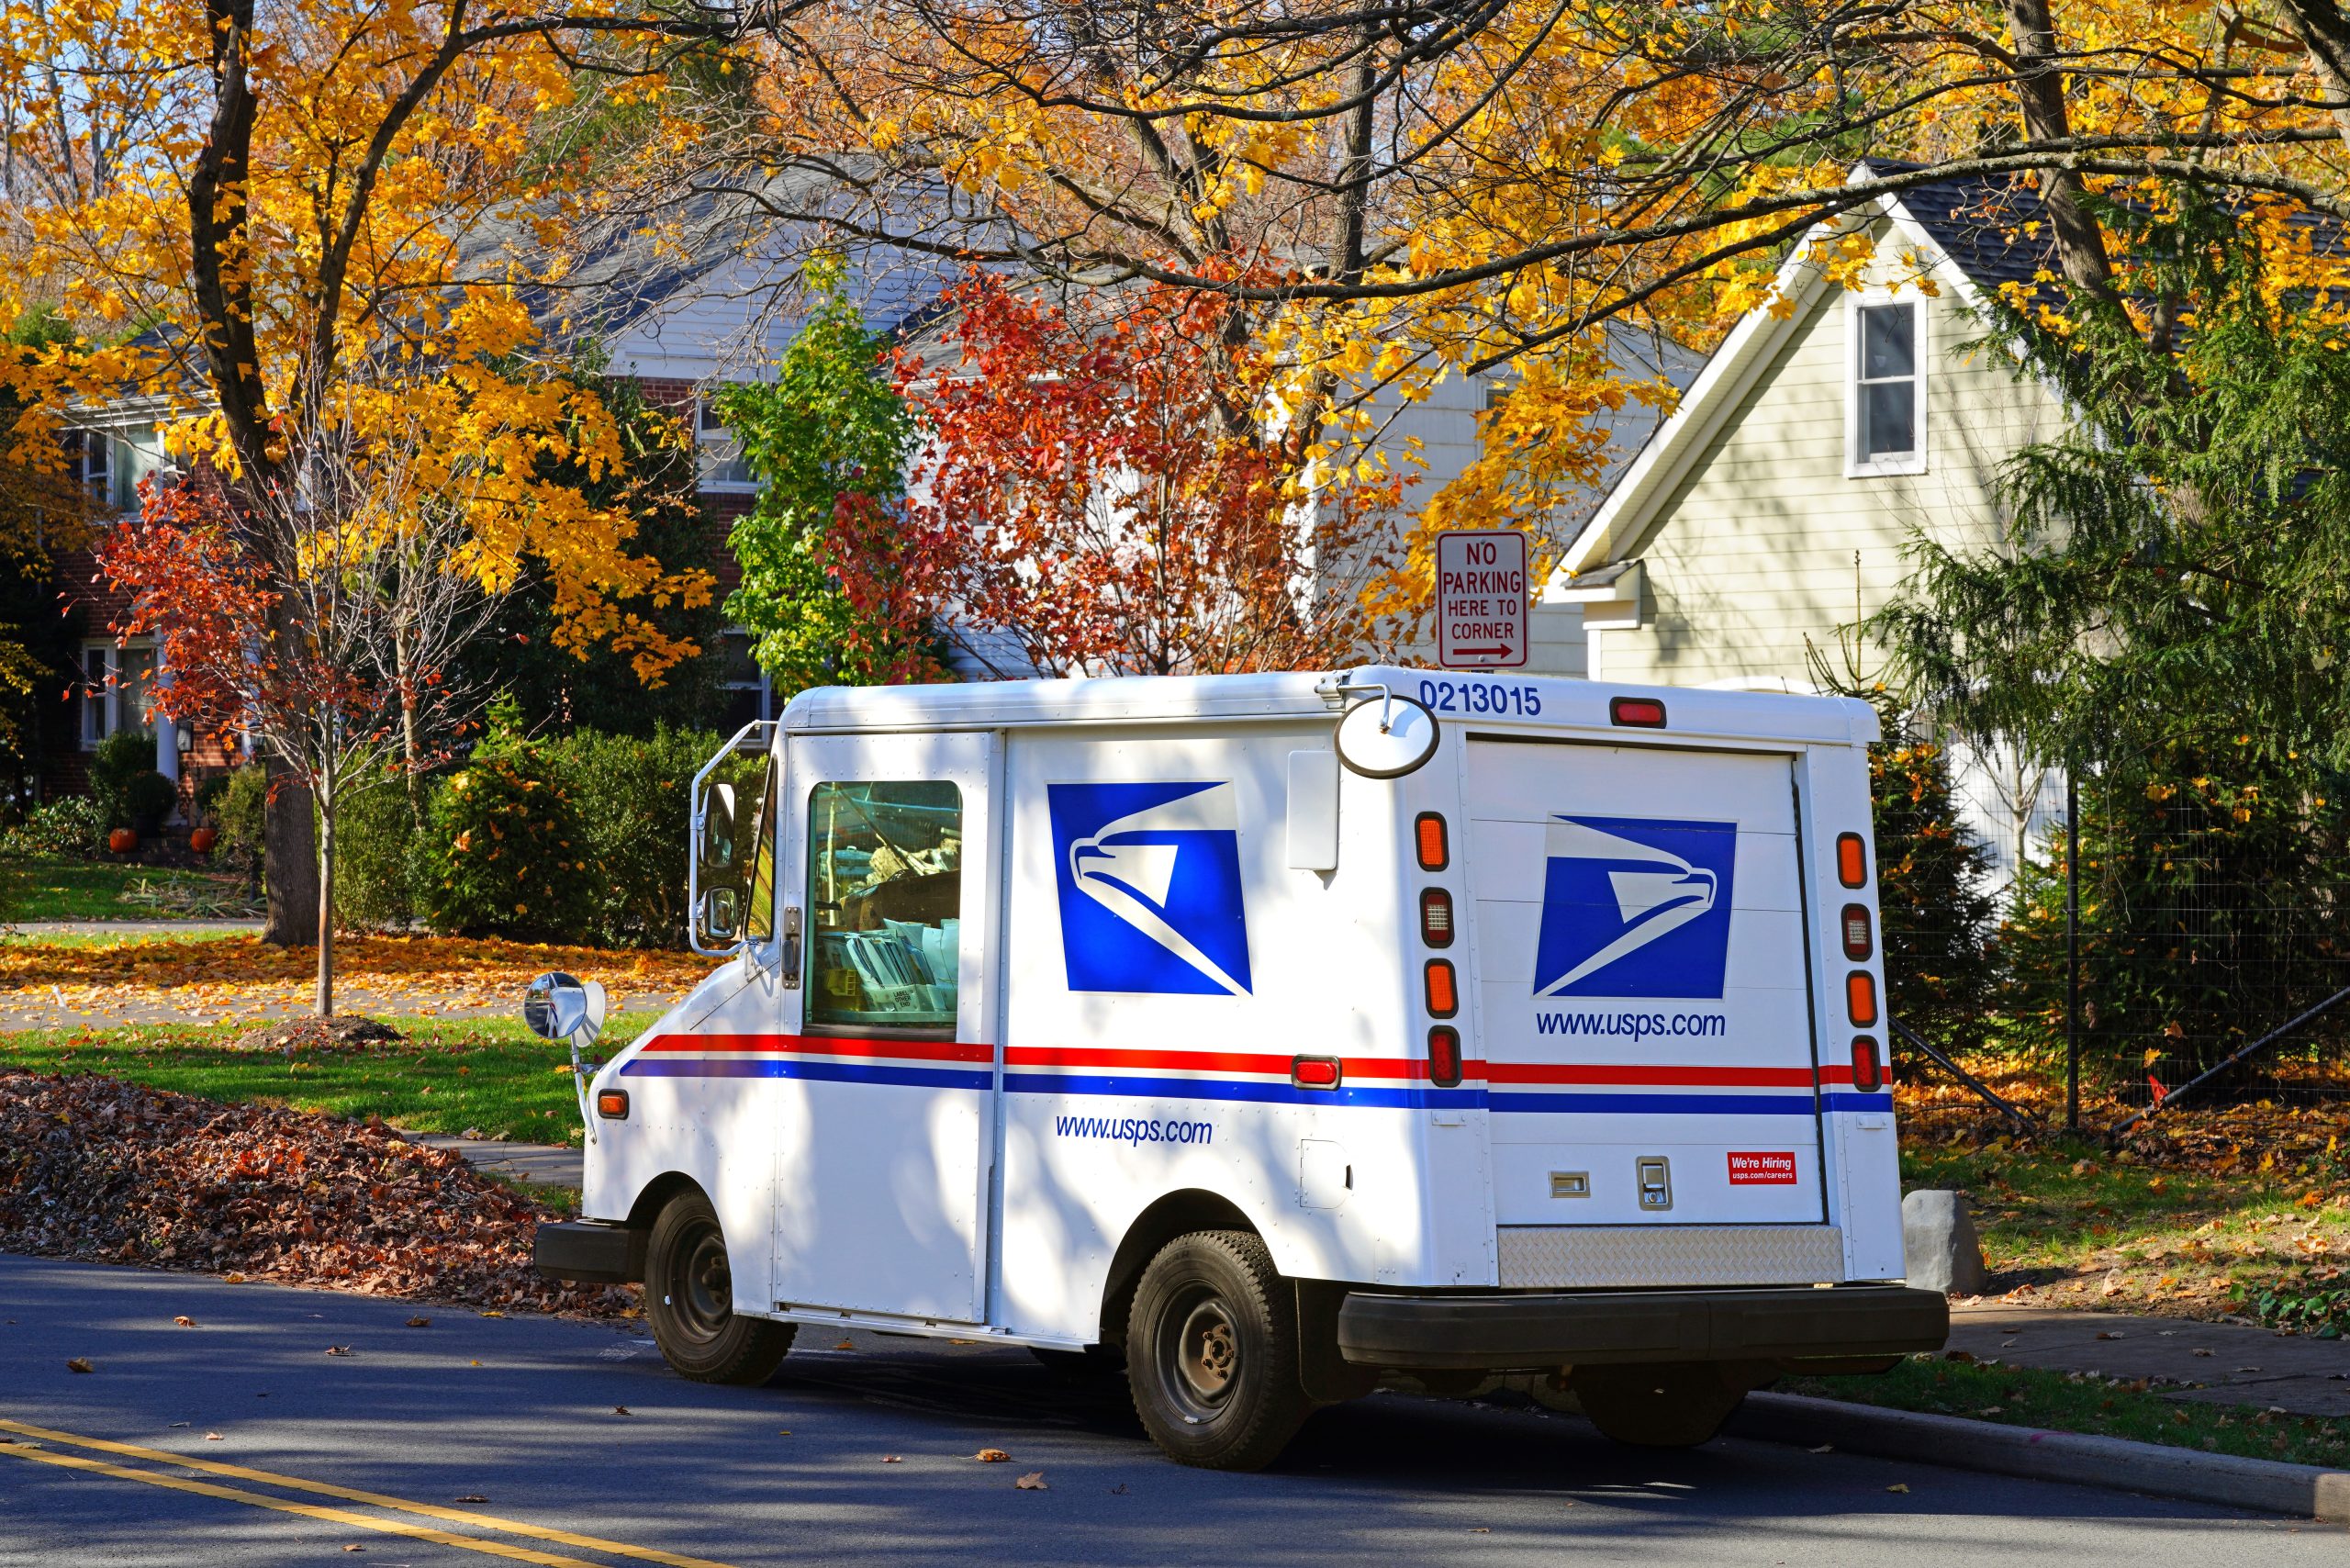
(238, 205)
(1099, 493)
(322, 617)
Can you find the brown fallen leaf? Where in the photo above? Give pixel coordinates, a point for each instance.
(891, 1459)
(1033, 1481)
(338, 1350)
(214, 1437)
(1898, 1486)
(80, 1364)
(617, 1409)
(471, 1497)
(493, 1312)
(991, 1456)
(185, 1321)
(1825, 1447)
(1481, 1529)
(419, 1323)
(844, 1345)
(354, 1546)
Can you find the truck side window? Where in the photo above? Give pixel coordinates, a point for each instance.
(885, 889)
(758, 920)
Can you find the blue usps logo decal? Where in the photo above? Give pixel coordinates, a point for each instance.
(1635, 906)
(1149, 879)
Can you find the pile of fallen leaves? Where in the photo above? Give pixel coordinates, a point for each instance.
(242, 977)
(292, 1035)
(97, 1168)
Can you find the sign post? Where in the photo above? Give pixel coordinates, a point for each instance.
(1480, 599)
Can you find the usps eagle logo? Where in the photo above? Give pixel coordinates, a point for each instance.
(1149, 879)
(1635, 906)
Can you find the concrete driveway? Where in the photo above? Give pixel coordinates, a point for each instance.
(556, 1442)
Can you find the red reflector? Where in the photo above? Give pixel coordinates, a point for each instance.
(1444, 1001)
(1436, 917)
(1314, 1073)
(1434, 853)
(611, 1102)
(1860, 997)
(1643, 710)
(1851, 860)
(1444, 1056)
(1856, 931)
(1868, 1069)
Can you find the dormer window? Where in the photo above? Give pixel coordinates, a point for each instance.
(1887, 410)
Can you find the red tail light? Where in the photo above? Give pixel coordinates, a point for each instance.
(1443, 994)
(1860, 998)
(1851, 860)
(1868, 1069)
(1645, 712)
(1314, 1073)
(1436, 917)
(1428, 832)
(1444, 1056)
(1856, 932)
(612, 1103)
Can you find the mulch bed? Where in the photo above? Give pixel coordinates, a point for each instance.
(97, 1169)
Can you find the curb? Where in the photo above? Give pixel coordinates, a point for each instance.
(2269, 1486)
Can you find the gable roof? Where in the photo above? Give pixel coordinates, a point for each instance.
(1974, 233)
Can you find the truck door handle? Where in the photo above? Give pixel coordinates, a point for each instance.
(788, 958)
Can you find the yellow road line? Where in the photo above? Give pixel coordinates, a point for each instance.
(307, 1511)
(354, 1495)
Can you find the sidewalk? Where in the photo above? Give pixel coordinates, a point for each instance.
(2226, 1364)
(549, 1164)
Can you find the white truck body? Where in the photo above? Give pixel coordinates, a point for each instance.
(1171, 904)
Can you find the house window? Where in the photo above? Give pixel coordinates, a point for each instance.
(748, 695)
(1888, 403)
(91, 454)
(723, 466)
(117, 689)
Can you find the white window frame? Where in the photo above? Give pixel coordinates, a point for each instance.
(1856, 466)
(106, 697)
(715, 445)
(764, 686)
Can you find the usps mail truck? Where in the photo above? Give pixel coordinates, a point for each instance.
(1265, 1039)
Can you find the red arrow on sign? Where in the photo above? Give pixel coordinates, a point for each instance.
(1486, 652)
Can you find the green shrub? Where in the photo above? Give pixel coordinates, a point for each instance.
(73, 826)
(631, 794)
(238, 801)
(503, 851)
(374, 842)
(124, 782)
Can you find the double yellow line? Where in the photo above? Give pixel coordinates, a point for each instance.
(334, 1516)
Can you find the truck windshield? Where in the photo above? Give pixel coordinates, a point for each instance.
(885, 872)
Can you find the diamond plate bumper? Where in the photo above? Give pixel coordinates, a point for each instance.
(1576, 1257)
(1506, 1333)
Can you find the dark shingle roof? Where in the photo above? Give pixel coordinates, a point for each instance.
(1994, 228)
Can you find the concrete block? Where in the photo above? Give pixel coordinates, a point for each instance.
(1939, 1236)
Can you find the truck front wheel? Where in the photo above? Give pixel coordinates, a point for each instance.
(689, 1299)
(1674, 1405)
(1212, 1353)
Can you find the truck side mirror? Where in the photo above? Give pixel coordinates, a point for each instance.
(557, 1006)
(718, 828)
(721, 915)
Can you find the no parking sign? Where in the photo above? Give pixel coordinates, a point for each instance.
(1480, 599)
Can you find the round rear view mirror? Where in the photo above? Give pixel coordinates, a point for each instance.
(1386, 737)
(557, 1007)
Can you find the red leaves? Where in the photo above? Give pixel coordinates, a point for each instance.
(93, 1168)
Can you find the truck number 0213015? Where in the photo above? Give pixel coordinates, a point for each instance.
(1481, 696)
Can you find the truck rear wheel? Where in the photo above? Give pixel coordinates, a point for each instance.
(689, 1300)
(1672, 1404)
(1212, 1353)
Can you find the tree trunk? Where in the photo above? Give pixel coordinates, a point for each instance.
(411, 741)
(326, 902)
(290, 862)
(2323, 30)
(2040, 93)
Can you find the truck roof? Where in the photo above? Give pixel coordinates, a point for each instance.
(1567, 703)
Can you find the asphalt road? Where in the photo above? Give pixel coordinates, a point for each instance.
(505, 1438)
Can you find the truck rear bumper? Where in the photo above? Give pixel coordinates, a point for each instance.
(585, 1252)
(1501, 1333)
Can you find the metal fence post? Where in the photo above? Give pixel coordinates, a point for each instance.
(2072, 951)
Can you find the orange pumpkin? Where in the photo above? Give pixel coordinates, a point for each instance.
(122, 841)
(203, 839)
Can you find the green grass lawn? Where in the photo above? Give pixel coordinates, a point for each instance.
(487, 1075)
(2026, 1396)
(95, 890)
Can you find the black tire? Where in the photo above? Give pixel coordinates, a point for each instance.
(1212, 1353)
(689, 1301)
(1669, 1404)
